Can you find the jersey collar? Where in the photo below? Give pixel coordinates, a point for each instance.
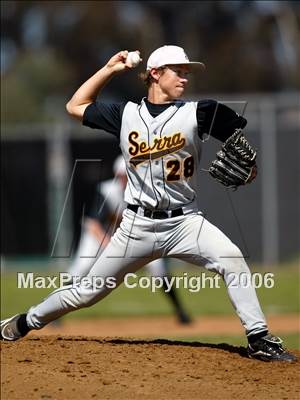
(162, 117)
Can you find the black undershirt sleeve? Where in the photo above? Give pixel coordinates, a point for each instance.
(217, 119)
(105, 116)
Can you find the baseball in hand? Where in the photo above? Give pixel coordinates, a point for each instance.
(133, 58)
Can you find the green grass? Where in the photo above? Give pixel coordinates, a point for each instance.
(283, 298)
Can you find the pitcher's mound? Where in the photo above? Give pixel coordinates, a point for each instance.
(76, 367)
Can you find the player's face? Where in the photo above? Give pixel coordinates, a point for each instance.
(173, 80)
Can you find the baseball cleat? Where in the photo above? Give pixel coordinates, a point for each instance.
(269, 348)
(9, 328)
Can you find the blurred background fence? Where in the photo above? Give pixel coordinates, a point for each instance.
(49, 171)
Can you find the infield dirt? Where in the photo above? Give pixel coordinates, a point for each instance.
(88, 367)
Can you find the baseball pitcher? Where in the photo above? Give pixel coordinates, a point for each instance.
(161, 139)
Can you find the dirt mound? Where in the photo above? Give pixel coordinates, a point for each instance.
(76, 367)
(153, 327)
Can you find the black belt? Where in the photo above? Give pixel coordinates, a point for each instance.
(156, 214)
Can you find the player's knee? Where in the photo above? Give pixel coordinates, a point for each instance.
(88, 302)
(232, 260)
(90, 296)
(231, 252)
(86, 299)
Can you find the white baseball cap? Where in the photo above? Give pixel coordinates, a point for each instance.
(170, 55)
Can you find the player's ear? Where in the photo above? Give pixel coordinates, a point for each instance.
(156, 73)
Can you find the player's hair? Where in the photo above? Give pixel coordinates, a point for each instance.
(147, 78)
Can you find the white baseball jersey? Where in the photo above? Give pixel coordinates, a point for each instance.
(162, 155)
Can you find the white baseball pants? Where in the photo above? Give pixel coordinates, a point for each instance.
(140, 240)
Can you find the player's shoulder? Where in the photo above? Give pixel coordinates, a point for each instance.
(131, 106)
(186, 104)
(205, 104)
(212, 105)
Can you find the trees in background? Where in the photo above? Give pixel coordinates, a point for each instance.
(49, 47)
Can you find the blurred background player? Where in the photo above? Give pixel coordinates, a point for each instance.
(101, 221)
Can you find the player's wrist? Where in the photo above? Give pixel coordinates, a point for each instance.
(108, 70)
(111, 70)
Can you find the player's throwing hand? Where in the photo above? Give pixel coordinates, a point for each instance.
(119, 61)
